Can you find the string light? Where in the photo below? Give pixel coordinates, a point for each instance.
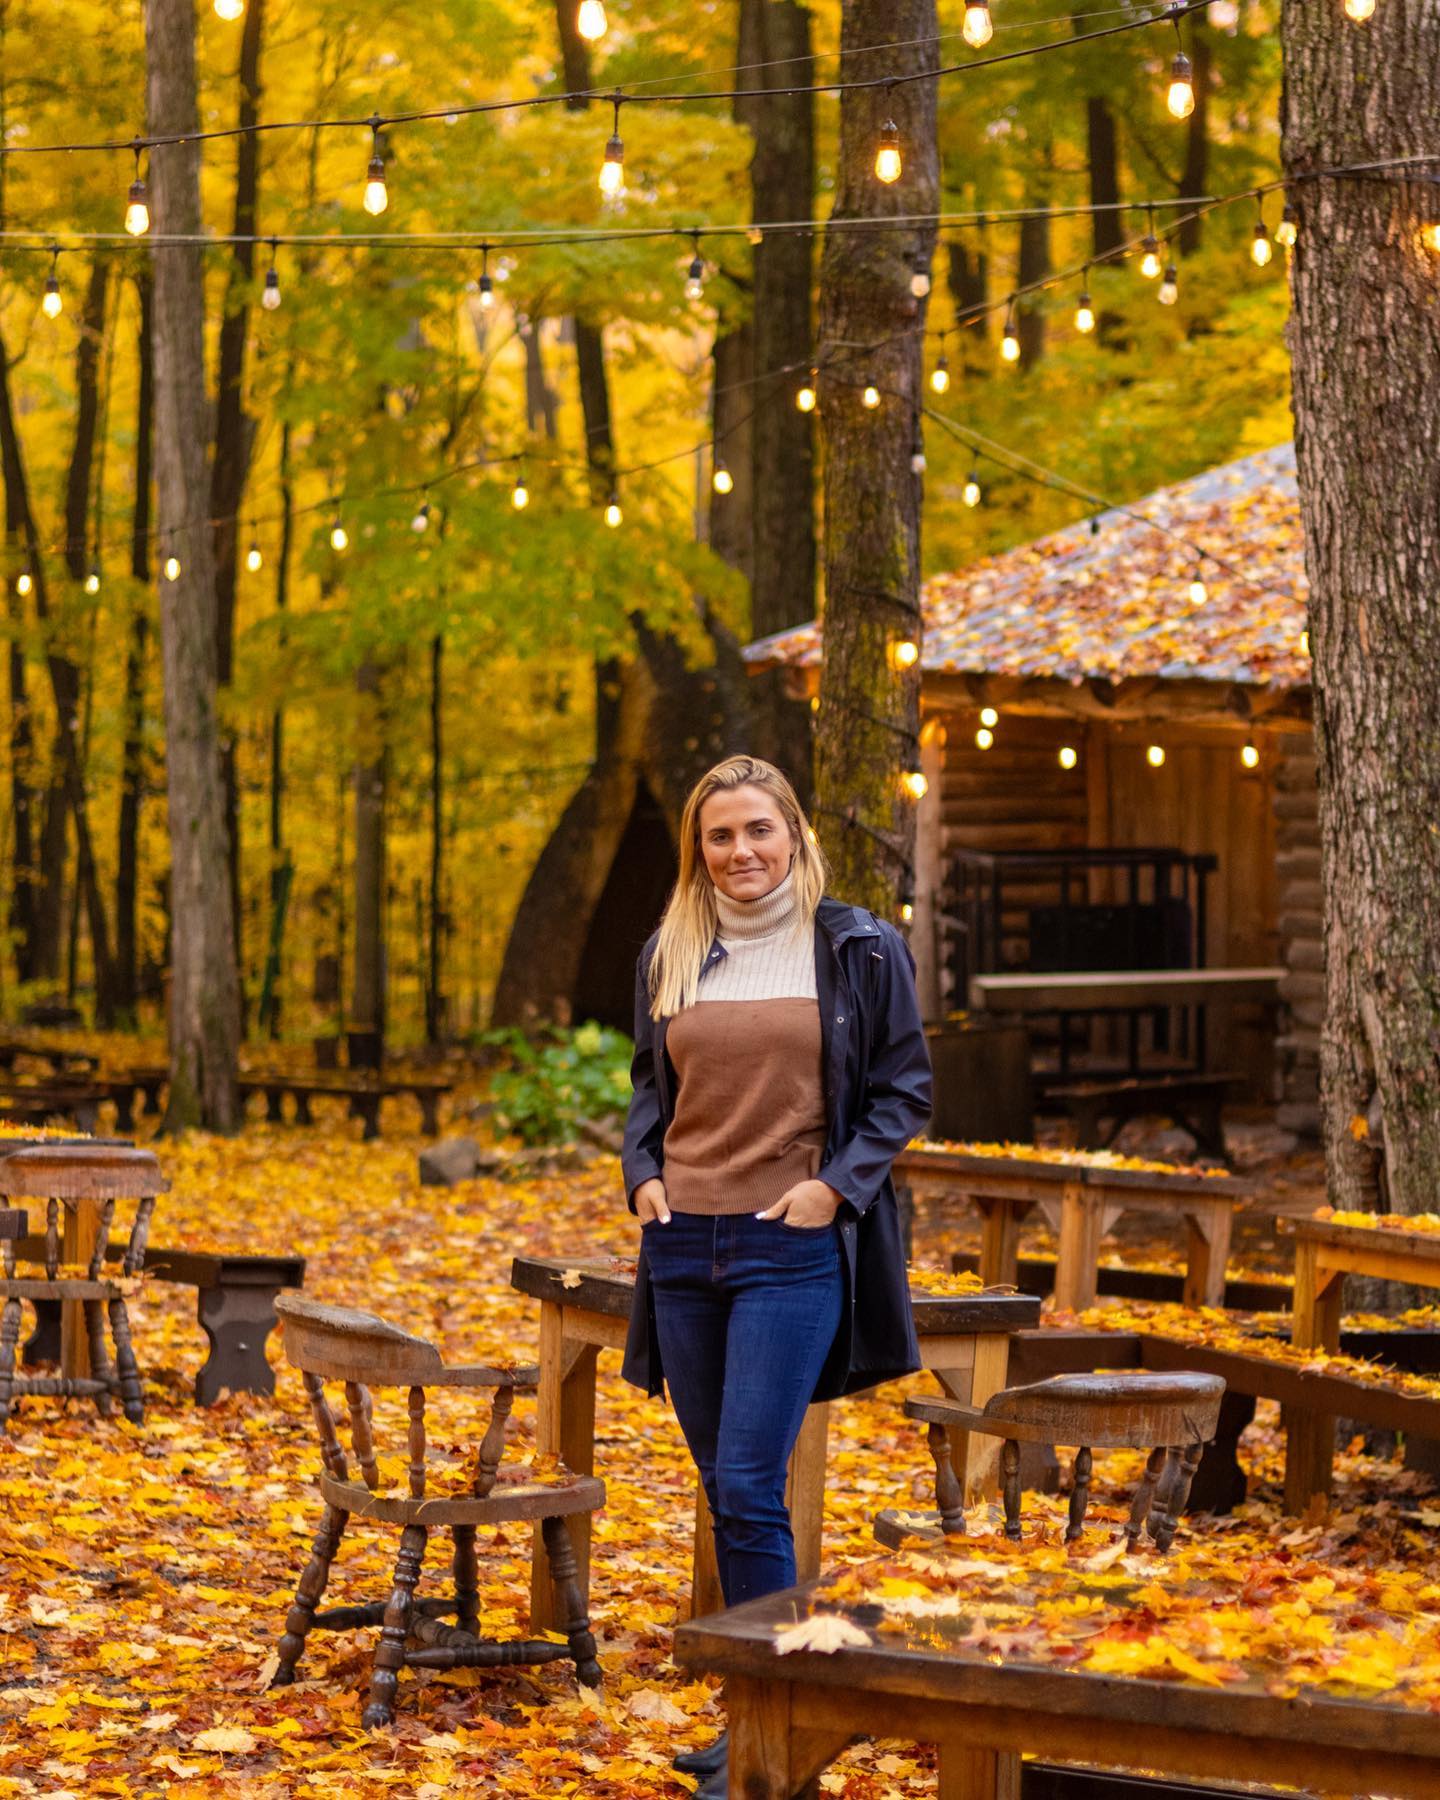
(722, 480)
(972, 493)
(612, 169)
(590, 21)
(53, 303)
(1198, 591)
(520, 494)
(920, 280)
(1261, 249)
(984, 738)
(171, 567)
(904, 653)
(613, 514)
(421, 522)
(1359, 10)
(989, 718)
(907, 911)
(1288, 230)
(870, 396)
(805, 394)
(917, 450)
(940, 375)
(1010, 338)
(339, 536)
(24, 584)
(1084, 310)
(1250, 756)
(254, 561)
(887, 156)
(1155, 756)
(270, 297)
(913, 782)
(977, 29)
(1069, 756)
(1150, 264)
(695, 274)
(229, 10)
(486, 283)
(1170, 286)
(377, 196)
(92, 581)
(1181, 95)
(137, 210)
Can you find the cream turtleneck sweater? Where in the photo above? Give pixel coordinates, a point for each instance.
(750, 1107)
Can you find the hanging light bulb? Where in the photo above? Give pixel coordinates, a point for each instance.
(270, 296)
(1180, 97)
(907, 911)
(972, 493)
(917, 453)
(171, 567)
(1069, 756)
(1150, 264)
(913, 782)
(695, 274)
(989, 718)
(486, 284)
(722, 480)
(24, 584)
(1359, 10)
(613, 514)
(904, 653)
(377, 196)
(805, 394)
(1305, 643)
(1261, 249)
(984, 738)
(53, 304)
(940, 376)
(421, 522)
(92, 581)
(754, 235)
(254, 561)
(887, 156)
(612, 169)
(1170, 286)
(1084, 311)
(920, 280)
(978, 28)
(1010, 338)
(1250, 756)
(229, 10)
(1288, 230)
(137, 210)
(1197, 590)
(520, 494)
(590, 21)
(1155, 756)
(870, 395)
(339, 536)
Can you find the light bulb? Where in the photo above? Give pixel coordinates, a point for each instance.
(92, 582)
(1429, 237)
(1198, 592)
(914, 783)
(612, 169)
(907, 911)
(1181, 97)
(1304, 643)
(613, 514)
(1155, 756)
(722, 480)
(805, 396)
(989, 717)
(172, 567)
(520, 496)
(270, 297)
(421, 521)
(972, 492)
(52, 305)
(377, 197)
(1250, 756)
(1169, 287)
(870, 397)
(695, 277)
(487, 293)
(920, 280)
(1150, 264)
(978, 29)
(24, 584)
(940, 377)
(904, 653)
(887, 156)
(253, 559)
(1261, 249)
(984, 738)
(339, 537)
(229, 10)
(1084, 315)
(137, 213)
(1010, 342)
(590, 21)
(1069, 756)
(918, 464)
(1288, 230)
(1360, 10)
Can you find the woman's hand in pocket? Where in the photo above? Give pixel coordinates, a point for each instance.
(650, 1203)
(807, 1206)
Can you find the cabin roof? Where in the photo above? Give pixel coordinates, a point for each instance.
(1109, 597)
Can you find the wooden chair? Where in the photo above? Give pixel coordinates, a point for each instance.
(1173, 1415)
(334, 1343)
(85, 1180)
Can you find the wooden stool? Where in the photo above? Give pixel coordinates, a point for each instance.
(1173, 1415)
(333, 1343)
(85, 1180)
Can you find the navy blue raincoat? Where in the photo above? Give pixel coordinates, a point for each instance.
(876, 1069)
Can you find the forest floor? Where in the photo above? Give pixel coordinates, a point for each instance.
(145, 1572)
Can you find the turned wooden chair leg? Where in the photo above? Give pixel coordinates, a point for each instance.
(1177, 1493)
(1144, 1496)
(570, 1610)
(1010, 1487)
(467, 1580)
(9, 1338)
(949, 1496)
(100, 1365)
(309, 1592)
(127, 1369)
(1079, 1493)
(390, 1651)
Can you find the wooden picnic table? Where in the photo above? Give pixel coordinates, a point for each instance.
(964, 1342)
(1325, 1253)
(1121, 990)
(362, 1093)
(789, 1716)
(1080, 1201)
(57, 1056)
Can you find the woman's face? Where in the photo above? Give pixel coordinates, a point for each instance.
(745, 841)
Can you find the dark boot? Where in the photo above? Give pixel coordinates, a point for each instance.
(705, 1761)
(716, 1786)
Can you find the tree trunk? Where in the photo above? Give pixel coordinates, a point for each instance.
(434, 1015)
(1108, 227)
(869, 710)
(782, 178)
(1365, 345)
(367, 1011)
(137, 650)
(1197, 139)
(1034, 266)
(540, 413)
(968, 275)
(730, 517)
(204, 990)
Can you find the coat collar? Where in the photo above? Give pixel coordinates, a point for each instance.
(838, 921)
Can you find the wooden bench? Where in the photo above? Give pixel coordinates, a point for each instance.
(56, 1056)
(1036, 1275)
(235, 1304)
(36, 1102)
(1193, 1101)
(363, 1095)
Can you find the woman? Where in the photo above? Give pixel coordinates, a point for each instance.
(779, 1067)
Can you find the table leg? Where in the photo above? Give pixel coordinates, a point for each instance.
(771, 1758)
(970, 1773)
(1207, 1233)
(1310, 1436)
(705, 1594)
(564, 1427)
(1000, 1243)
(1081, 1228)
(82, 1220)
(975, 1456)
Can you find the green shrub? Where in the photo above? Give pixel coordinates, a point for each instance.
(553, 1084)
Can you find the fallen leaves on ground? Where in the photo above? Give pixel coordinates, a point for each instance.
(1058, 1156)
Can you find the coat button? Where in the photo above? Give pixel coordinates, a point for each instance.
(839, 1018)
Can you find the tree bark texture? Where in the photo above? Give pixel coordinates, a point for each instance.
(1365, 344)
(1034, 266)
(1108, 227)
(204, 990)
(869, 710)
(968, 275)
(137, 653)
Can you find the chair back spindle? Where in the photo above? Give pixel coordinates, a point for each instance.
(52, 1239)
(139, 1236)
(362, 1436)
(417, 1443)
(492, 1445)
(332, 1453)
(102, 1238)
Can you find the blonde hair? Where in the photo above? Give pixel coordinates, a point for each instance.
(687, 929)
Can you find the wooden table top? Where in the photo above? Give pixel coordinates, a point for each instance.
(606, 1285)
(1012, 1169)
(1118, 990)
(1423, 1245)
(928, 1659)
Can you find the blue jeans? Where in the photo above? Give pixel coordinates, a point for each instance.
(746, 1311)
